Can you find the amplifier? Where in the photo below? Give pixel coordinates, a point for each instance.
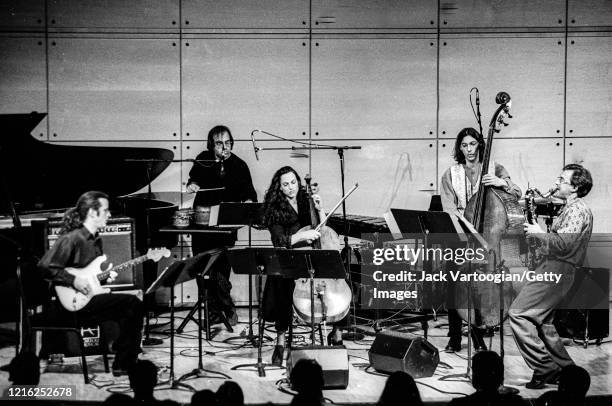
(586, 310)
(118, 242)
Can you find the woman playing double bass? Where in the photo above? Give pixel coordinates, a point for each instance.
(458, 184)
(286, 211)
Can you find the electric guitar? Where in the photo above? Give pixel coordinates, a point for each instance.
(73, 300)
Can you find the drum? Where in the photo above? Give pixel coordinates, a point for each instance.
(201, 215)
(182, 218)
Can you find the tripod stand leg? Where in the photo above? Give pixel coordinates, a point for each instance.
(260, 365)
(189, 318)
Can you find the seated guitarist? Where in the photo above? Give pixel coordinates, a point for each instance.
(78, 245)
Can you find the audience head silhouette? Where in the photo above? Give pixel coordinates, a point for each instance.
(400, 388)
(307, 377)
(574, 382)
(119, 399)
(306, 399)
(230, 394)
(204, 397)
(143, 378)
(487, 371)
(24, 369)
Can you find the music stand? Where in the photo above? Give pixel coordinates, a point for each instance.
(169, 277)
(434, 227)
(286, 263)
(244, 214)
(179, 272)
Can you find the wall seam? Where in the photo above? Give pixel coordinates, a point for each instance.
(565, 82)
(47, 97)
(438, 101)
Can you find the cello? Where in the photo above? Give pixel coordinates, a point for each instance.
(496, 215)
(332, 296)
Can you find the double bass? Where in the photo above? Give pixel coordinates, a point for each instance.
(332, 296)
(498, 217)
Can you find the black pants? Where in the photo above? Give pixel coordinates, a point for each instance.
(455, 322)
(218, 285)
(128, 312)
(278, 301)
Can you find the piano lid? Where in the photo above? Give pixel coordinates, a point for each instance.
(43, 176)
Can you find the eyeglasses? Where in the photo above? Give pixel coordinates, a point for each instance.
(227, 144)
(561, 180)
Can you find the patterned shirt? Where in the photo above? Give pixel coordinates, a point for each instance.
(570, 233)
(453, 203)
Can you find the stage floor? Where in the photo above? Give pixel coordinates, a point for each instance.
(226, 350)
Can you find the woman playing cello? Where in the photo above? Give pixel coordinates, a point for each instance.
(286, 211)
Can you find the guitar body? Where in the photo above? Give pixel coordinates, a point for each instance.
(73, 300)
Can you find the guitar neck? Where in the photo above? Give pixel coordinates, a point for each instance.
(122, 267)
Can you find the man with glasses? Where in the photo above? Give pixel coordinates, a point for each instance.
(564, 248)
(218, 167)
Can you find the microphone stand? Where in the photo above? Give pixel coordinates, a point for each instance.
(478, 116)
(148, 340)
(340, 149)
(351, 335)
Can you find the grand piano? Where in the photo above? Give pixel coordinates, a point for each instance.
(39, 179)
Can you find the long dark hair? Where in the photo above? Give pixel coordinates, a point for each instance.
(277, 209)
(458, 155)
(74, 216)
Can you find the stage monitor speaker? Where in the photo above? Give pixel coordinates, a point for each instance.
(118, 242)
(585, 314)
(394, 351)
(333, 361)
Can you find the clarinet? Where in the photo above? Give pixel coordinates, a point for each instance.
(532, 243)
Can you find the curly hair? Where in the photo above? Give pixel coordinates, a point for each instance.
(457, 154)
(74, 216)
(276, 209)
(581, 179)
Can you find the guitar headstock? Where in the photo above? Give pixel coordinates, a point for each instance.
(156, 254)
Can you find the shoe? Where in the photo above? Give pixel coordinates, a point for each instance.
(118, 371)
(277, 355)
(478, 340)
(121, 366)
(232, 317)
(213, 318)
(540, 381)
(332, 339)
(454, 345)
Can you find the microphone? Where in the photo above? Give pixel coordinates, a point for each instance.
(221, 168)
(551, 191)
(254, 146)
(477, 97)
